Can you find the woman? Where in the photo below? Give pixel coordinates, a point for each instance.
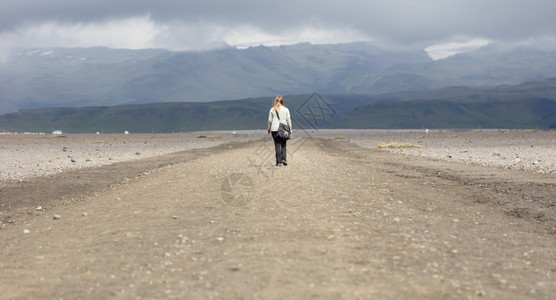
(279, 114)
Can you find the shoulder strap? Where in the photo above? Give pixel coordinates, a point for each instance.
(277, 114)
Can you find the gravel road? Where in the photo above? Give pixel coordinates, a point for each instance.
(341, 221)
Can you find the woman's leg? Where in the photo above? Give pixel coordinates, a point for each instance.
(283, 152)
(277, 147)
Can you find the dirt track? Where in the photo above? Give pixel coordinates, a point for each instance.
(349, 223)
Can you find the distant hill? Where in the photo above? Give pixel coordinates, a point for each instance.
(524, 106)
(527, 105)
(79, 77)
(518, 113)
(177, 116)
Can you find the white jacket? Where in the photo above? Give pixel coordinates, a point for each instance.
(274, 122)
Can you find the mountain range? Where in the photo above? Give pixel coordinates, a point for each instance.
(531, 105)
(85, 77)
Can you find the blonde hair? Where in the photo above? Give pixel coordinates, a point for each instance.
(279, 101)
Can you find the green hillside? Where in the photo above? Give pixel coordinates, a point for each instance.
(177, 116)
(528, 105)
(535, 113)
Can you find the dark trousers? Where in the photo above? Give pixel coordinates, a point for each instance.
(280, 147)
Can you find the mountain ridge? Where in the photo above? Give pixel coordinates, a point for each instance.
(77, 77)
(530, 105)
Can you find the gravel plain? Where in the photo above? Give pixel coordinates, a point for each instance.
(23, 156)
(527, 150)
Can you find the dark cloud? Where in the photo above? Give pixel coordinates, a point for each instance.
(396, 21)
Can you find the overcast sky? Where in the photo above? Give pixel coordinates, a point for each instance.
(441, 26)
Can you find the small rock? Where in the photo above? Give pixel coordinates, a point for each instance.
(39, 208)
(26, 231)
(137, 153)
(56, 217)
(72, 160)
(220, 239)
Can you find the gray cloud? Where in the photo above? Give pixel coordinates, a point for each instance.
(400, 22)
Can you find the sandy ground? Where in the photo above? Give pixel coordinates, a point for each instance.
(341, 221)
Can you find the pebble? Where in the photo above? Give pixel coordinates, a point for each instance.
(56, 217)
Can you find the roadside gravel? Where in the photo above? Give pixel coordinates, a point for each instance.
(527, 150)
(23, 156)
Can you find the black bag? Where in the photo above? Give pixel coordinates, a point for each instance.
(283, 130)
